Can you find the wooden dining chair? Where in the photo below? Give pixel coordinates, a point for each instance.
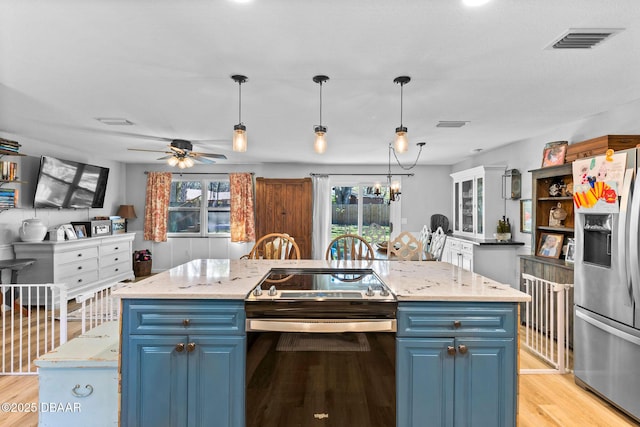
(405, 247)
(436, 246)
(425, 238)
(349, 247)
(275, 246)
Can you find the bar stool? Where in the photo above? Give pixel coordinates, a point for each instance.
(15, 265)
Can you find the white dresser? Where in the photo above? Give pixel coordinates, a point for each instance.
(78, 381)
(84, 265)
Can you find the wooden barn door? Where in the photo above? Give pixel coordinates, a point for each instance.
(285, 206)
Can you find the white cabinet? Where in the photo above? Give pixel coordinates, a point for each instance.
(459, 253)
(84, 265)
(477, 201)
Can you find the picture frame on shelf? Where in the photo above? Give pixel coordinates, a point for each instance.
(554, 154)
(571, 251)
(550, 245)
(69, 232)
(80, 230)
(525, 215)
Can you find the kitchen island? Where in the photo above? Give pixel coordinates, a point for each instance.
(184, 343)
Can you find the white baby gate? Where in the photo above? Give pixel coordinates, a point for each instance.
(34, 321)
(546, 321)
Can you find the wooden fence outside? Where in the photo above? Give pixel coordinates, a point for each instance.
(348, 214)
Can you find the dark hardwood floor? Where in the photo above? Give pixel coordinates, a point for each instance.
(344, 388)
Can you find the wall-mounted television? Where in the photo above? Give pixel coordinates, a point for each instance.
(68, 184)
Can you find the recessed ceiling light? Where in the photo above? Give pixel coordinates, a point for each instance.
(474, 3)
(114, 121)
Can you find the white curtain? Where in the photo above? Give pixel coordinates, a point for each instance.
(321, 216)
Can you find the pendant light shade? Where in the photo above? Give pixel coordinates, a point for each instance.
(320, 143)
(401, 143)
(239, 130)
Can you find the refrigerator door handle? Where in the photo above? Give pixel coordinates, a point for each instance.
(633, 249)
(623, 229)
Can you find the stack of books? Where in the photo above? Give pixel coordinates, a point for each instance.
(8, 198)
(8, 171)
(8, 145)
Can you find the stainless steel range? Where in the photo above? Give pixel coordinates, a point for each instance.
(322, 301)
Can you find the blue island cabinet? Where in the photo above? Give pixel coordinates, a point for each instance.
(183, 363)
(456, 364)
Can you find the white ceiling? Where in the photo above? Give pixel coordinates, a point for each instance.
(166, 65)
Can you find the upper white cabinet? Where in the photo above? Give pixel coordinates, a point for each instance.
(477, 201)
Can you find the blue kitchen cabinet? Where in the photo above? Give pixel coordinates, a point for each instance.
(183, 363)
(456, 364)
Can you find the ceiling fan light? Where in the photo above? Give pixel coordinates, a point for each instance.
(401, 143)
(320, 143)
(172, 161)
(240, 138)
(181, 164)
(188, 161)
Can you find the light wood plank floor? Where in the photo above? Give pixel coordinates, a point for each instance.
(544, 399)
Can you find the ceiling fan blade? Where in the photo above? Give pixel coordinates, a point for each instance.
(204, 160)
(150, 151)
(176, 149)
(211, 155)
(165, 157)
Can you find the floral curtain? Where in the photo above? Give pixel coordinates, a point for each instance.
(156, 210)
(243, 227)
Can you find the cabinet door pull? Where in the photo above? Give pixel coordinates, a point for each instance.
(191, 346)
(457, 323)
(117, 248)
(451, 350)
(180, 347)
(116, 259)
(79, 267)
(462, 348)
(87, 393)
(186, 322)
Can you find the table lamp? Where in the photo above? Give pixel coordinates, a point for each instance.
(126, 212)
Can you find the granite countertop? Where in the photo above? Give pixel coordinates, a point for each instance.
(234, 279)
(483, 242)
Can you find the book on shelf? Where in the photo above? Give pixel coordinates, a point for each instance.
(8, 171)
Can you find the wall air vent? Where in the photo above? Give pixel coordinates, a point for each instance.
(583, 38)
(451, 123)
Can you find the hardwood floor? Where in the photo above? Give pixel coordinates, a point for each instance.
(544, 400)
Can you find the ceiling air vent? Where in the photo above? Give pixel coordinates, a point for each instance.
(583, 38)
(451, 123)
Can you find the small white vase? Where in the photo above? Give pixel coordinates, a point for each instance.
(32, 230)
(502, 237)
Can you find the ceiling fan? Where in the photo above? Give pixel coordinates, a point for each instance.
(181, 154)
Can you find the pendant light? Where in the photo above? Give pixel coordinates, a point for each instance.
(320, 144)
(401, 143)
(239, 130)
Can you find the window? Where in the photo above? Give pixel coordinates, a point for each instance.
(189, 216)
(355, 206)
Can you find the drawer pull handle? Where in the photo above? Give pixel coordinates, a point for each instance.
(462, 348)
(457, 323)
(79, 255)
(116, 269)
(186, 322)
(116, 259)
(117, 248)
(451, 350)
(79, 280)
(79, 267)
(191, 346)
(180, 347)
(87, 393)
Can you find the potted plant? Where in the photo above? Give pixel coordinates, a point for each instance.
(503, 230)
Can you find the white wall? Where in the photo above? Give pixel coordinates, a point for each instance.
(424, 194)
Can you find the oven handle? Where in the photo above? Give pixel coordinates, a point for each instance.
(321, 325)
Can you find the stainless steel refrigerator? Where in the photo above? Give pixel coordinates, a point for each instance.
(607, 297)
